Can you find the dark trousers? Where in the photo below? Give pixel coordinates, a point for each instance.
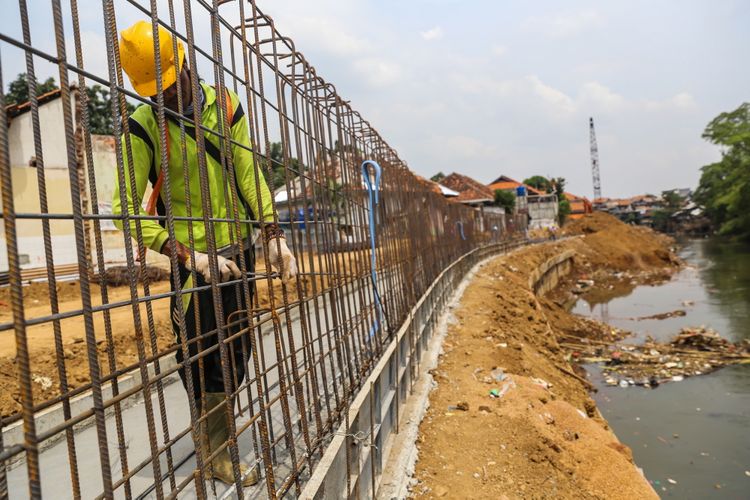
(209, 377)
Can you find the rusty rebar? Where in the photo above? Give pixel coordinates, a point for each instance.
(295, 354)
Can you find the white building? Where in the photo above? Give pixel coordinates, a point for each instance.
(25, 180)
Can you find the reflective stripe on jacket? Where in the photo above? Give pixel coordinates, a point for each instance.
(146, 161)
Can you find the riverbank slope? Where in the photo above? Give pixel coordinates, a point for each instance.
(510, 418)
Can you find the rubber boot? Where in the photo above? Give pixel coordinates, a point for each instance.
(216, 433)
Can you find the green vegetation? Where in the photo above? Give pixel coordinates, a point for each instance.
(563, 210)
(671, 202)
(18, 90)
(100, 111)
(437, 177)
(505, 199)
(724, 188)
(539, 182)
(278, 175)
(99, 103)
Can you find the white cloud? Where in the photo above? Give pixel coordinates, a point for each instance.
(530, 90)
(564, 25)
(597, 97)
(377, 72)
(458, 147)
(550, 95)
(683, 100)
(499, 50)
(325, 34)
(432, 33)
(600, 98)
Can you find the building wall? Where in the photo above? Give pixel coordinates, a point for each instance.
(25, 179)
(542, 213)
(21, 138)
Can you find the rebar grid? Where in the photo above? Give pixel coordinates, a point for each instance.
(308, 345)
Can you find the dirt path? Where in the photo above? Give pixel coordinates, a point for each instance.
(543, 437)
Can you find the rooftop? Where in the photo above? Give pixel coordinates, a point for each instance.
(505, 183)
(468, 189)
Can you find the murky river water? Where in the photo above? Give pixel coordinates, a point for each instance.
(692, 438)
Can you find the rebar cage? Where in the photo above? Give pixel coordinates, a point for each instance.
(92, 321)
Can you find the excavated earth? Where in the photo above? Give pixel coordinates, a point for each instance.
(116, 349)
(510, 417)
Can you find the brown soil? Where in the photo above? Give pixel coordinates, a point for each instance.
(543, 437)
(41, 339)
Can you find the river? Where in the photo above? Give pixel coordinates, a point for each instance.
(692, 438)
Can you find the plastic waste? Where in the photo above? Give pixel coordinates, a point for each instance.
(498, 374)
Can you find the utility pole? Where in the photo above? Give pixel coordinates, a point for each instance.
(595, 161)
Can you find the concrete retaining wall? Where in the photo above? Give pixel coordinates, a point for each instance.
(547, 276)
(353, 464)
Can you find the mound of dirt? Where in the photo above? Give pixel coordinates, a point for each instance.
(509, 417)
(120, 275)
(612, 244)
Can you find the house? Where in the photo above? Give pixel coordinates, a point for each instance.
(25, 171)
(325, 193)
(436, 187)
(540, 207)
(470, 191)
(684, 193)
(505, 183)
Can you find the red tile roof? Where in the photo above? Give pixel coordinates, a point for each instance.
(14, 110)
(431, 185)
(505, 183)
(468, 188)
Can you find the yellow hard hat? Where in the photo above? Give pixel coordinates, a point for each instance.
(139, 61)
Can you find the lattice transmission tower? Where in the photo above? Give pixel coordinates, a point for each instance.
(595, 161)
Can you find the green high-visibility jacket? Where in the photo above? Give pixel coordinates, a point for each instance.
(146, 165)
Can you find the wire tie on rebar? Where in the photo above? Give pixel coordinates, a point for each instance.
(372, 192)
(361, 437)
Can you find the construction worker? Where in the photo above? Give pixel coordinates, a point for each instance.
(139, 62)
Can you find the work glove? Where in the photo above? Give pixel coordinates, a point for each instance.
(282, 258)
(227, 268)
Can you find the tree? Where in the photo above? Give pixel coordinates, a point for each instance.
(660, 220)
(672, 200)
(278, 172)
(505, 199)
(99, 107)
(539, 182)
(558, 187)
(563, 211)
(99, 103)
(18, 90)
(724, 188)
(437, 177)
(563, 205)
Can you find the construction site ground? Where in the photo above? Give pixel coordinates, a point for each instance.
(41, 340)
(510, 416)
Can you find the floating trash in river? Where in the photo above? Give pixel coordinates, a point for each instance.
(694, 351)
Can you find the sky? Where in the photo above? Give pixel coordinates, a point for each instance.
(490, 88)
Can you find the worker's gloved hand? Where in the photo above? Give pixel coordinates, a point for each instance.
(227, 268)
(282, 258)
